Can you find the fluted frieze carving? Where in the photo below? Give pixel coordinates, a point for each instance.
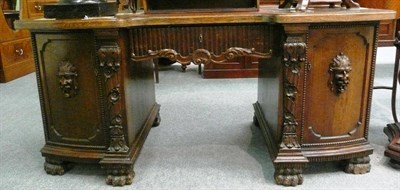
(201, 56)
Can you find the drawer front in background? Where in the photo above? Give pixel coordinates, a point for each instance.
(16, 51)
(35, 7)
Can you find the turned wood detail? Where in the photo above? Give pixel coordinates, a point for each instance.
(109, 55)
(294, 56)
(201, 56)
(302, 5)
(339, 71)
(67, 75)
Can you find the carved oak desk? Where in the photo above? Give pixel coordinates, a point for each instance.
(96, 85)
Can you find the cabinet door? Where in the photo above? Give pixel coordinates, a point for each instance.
(71, 90)
(338, 83)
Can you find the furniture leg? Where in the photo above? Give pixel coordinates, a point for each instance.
(56, 167)
(157, 120)
(393, 149)
(119, 174)
(359, 165)
(396, 77)
(288, 175)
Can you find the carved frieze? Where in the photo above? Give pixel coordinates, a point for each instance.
(201, 56)
(109, 58)
(67, 75)
(339, 70)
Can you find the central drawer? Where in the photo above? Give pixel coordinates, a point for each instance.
(186, 39)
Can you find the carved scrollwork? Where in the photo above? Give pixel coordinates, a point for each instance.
(118, 143)
(339, 70)
(201, 56)
(67, 74)
(109, 58)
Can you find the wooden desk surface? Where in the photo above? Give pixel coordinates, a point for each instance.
(265, 14)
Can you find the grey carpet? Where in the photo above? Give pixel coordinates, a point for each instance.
(206, 140)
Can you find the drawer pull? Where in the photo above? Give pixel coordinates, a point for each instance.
(19, 51)
(37, 6)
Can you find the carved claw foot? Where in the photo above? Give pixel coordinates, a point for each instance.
(157, 120)
(119, 175)
(255, 121)
(359, 165)
(56, 167)
(289, 176)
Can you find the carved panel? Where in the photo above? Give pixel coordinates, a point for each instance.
(340, 77)
(67, 79)
(67, 74)
(339, 70)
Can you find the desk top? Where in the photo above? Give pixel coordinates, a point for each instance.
(266, 14)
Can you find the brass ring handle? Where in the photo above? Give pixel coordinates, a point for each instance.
(19, 51)
(38, 7)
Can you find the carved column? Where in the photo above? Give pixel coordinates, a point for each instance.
(109, 59)
(290, 161)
